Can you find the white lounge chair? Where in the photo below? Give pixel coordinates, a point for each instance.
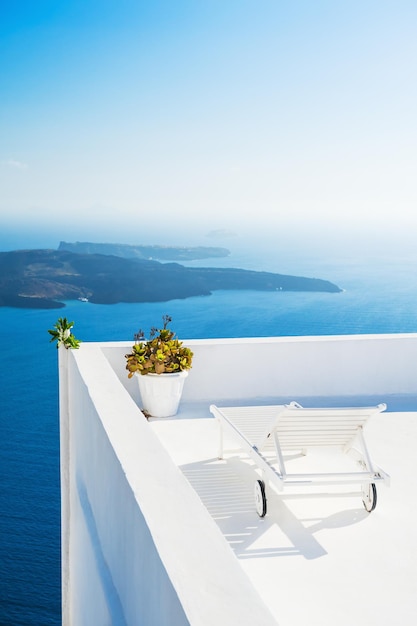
(292, 427)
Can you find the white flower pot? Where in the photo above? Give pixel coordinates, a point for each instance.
(161, 393)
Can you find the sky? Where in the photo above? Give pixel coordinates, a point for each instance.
(135, 121)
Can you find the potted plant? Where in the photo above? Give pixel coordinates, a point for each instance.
(161, 365)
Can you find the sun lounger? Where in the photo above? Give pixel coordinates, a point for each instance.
(266, 433)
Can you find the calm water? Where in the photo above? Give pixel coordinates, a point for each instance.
(380, 297)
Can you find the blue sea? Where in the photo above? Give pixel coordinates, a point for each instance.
(380, 296)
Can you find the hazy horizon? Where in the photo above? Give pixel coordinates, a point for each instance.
(174, 119)
(291, 250)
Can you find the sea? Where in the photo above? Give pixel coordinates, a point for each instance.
(379, 296)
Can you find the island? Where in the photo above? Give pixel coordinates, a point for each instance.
(47, 278)
(156, 253)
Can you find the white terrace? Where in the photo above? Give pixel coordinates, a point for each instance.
(158, 532)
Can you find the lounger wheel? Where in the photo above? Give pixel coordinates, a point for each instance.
(369, 496)
(260, 498)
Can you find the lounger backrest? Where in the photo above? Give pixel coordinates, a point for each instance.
(299, 427)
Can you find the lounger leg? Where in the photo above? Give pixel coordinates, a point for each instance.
(260, 498)
(369, 496)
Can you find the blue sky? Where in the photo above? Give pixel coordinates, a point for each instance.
(128, 116)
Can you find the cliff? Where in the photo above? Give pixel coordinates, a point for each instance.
(46, 278)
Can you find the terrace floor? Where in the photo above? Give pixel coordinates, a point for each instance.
(313, 560)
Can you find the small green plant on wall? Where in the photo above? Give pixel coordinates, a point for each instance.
(61, 333)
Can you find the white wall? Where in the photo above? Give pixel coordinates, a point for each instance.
(349, 365)
(115, 571)
(136, 554)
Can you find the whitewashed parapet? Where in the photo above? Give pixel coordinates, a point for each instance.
(292, 367)
(143, 549)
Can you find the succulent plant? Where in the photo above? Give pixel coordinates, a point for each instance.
(161, 354)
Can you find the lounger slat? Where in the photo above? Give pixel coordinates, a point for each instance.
(320, 421)
(336, 478)
(337, 438)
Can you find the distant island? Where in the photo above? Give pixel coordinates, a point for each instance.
(156, 253)
(46, 278)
